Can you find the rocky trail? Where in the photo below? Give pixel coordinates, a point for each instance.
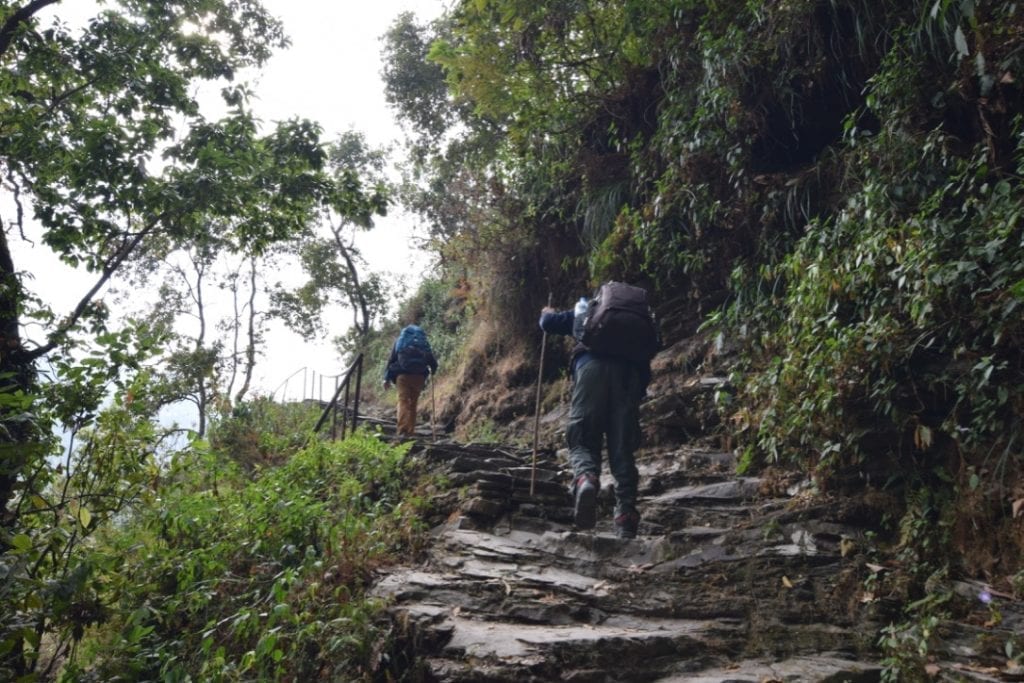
(731, 579)
(724, 582)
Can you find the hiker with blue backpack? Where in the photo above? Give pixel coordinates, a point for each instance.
(616, 338)
(411, 361)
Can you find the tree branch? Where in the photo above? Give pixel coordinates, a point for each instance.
(355, 295)
(55, 337)
(18, 206)
(21, 16)
(250, 349)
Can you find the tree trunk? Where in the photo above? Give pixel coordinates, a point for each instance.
(202, 390)
(18, 434)
(250, 349)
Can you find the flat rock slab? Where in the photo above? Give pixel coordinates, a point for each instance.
(730, 491)
(820, 669)
(473, 638)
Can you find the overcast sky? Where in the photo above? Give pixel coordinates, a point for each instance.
(330, 74)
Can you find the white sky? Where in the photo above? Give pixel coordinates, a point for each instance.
(330, 74)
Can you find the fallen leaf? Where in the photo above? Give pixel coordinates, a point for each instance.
(786, 582)
(875, 567)
(932, 669)
(599, 585)
(1018, 507)
(845, 546)
(867, 597)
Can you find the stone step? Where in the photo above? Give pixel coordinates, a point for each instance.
(510, 591)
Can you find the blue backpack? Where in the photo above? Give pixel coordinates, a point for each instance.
(413, 351)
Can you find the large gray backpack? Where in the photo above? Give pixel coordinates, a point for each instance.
(620, 323)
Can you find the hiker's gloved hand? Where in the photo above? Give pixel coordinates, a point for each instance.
(387, 385)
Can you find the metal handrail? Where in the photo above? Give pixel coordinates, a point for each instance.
(332, 408)
(309, 385)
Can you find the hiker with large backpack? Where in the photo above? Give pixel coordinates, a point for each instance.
(411, 361)
(616, 337)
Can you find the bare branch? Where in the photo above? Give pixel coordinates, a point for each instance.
(115, 262)
(355, 293)
(18, 206)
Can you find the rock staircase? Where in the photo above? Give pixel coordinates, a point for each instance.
(731, 579)
(724, 583)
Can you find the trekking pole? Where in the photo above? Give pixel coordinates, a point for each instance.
(433, 410)
(536, 410)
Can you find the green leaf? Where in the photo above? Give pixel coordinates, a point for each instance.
(84, 516)
(21, 543)
(1017, 290)
(31, 636)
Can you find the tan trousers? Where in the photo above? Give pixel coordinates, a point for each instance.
(409, 388)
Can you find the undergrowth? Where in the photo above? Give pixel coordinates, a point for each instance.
(219, 577)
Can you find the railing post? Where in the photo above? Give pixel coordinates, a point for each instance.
(334, 407)
(343, 382)
(359, 384)
(344, 406)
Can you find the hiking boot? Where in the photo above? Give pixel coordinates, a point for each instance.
(626, 523)
(585, 509)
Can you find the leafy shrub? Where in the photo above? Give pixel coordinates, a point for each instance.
(262, 432)
(905, 308)
(240, 580)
